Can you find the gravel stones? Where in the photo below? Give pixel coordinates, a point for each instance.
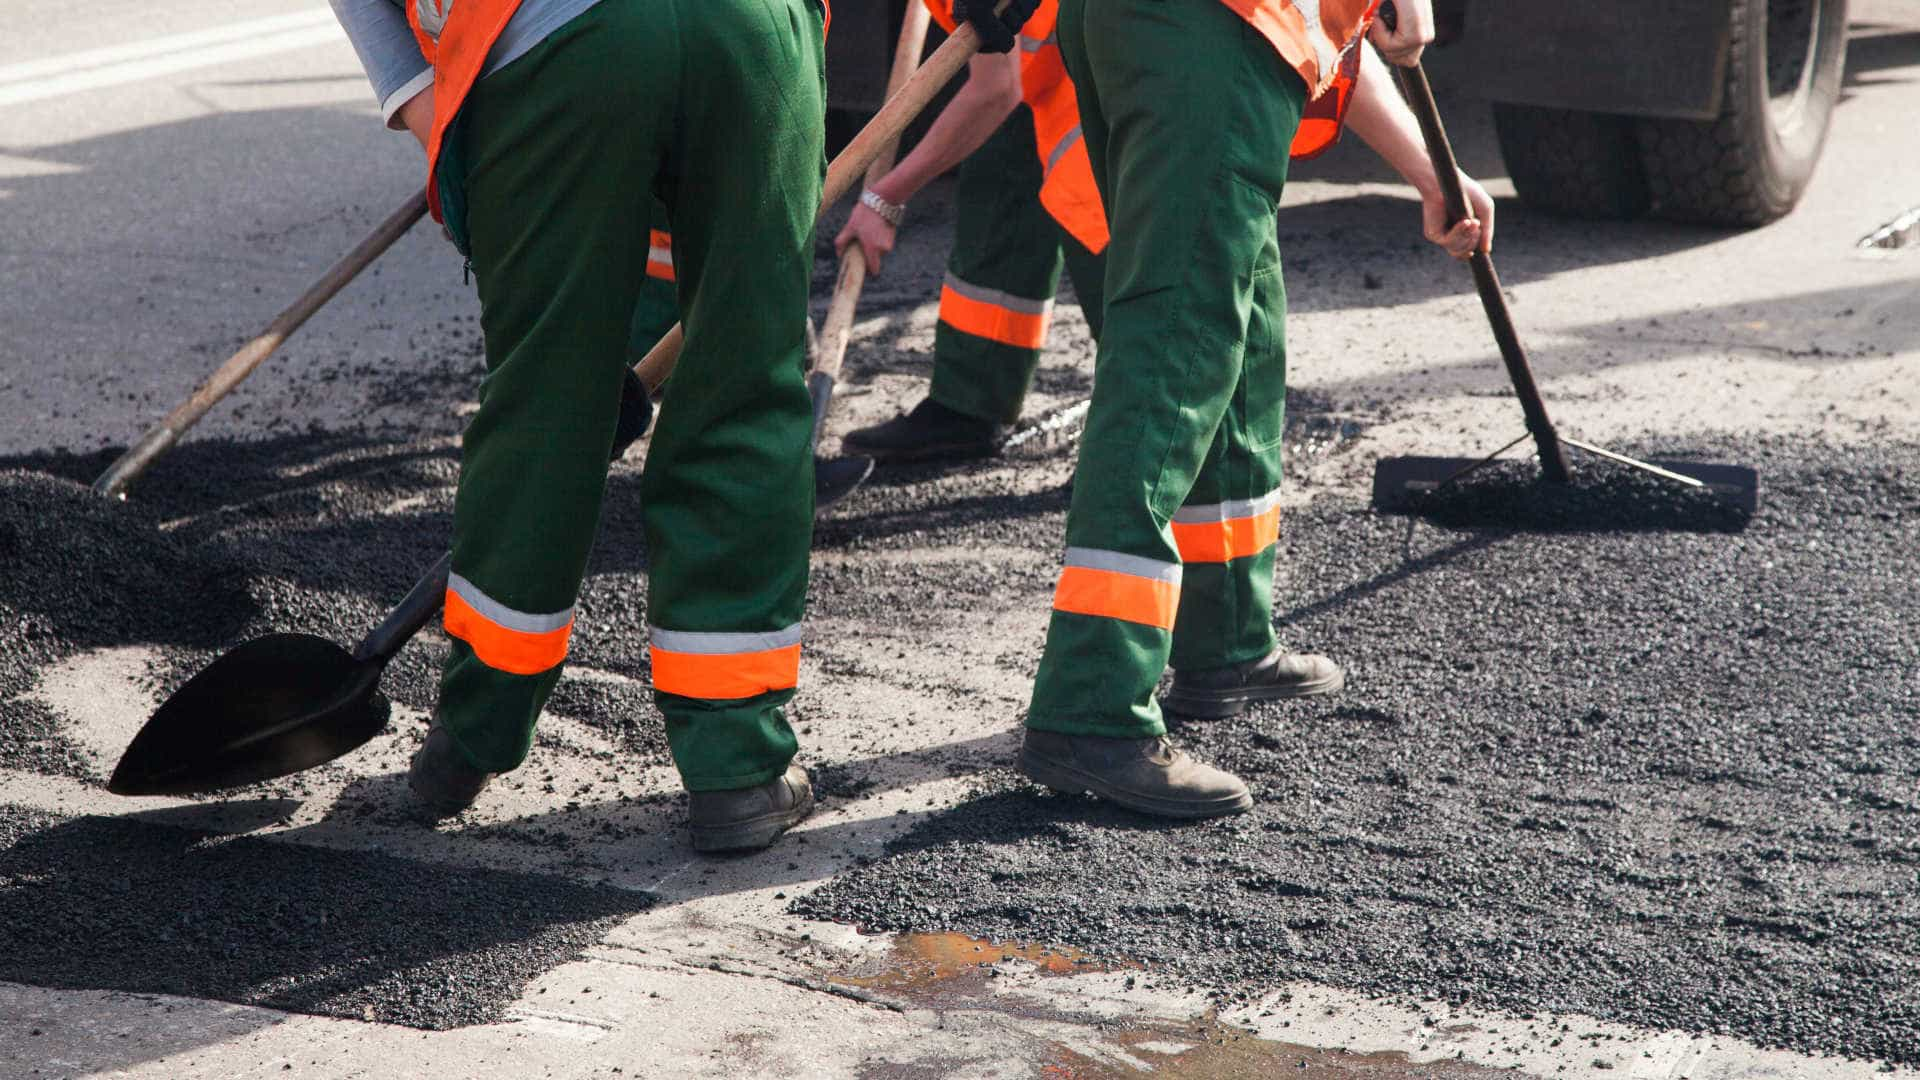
(1665, 777)
(126, 904)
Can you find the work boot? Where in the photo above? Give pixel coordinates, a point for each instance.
(442, 778)
(930, 432)
(744, 819)
(1147, 775)
(1216, 693)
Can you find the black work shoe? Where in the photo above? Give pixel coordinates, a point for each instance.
(930, 432)
(442, 778)
(1221, 692)
(1147, 775)
(744, 819)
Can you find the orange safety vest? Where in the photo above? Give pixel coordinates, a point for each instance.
(455, 38)
(1067, 190)
(1320, 40)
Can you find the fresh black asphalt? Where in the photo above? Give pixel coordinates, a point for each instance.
(1602, 750)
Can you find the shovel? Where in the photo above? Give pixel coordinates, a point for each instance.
(1399, 482)
(835, 478)
(286, 702)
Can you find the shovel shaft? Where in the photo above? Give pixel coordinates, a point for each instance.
(161, 437)
(832, 348)
(421, 604)
(1553, 457)
(880, 133)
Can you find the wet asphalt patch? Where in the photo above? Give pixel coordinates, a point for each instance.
(1667, 776)
(125, 904)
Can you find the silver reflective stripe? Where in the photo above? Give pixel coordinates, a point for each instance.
(499, 614)
(432, 15)
(1060, 148)
(707, 643)
(1132, 565)
(999, 299)
(1227, 511)
(1028, 44)
(660, 255)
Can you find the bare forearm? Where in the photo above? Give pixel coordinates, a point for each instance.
(1382, 120)
(978, 108)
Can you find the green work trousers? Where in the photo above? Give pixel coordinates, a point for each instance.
(717, 109)
(1188, 115)
(1007, 252)
(658, 307)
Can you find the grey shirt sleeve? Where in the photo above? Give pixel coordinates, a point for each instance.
(387, 50)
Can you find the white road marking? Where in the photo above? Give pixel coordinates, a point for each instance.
(91, 69)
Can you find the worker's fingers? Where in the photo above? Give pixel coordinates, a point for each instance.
(1463, 239)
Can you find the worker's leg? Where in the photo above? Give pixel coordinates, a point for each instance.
(551, 146)
(1188, 116)
(659, 305)
(728, 493)
(1001, 278)
(1088, 273)
(1227, 528)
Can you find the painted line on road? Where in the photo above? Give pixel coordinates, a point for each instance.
(114, 65)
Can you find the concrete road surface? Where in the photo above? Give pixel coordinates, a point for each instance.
(172, 175)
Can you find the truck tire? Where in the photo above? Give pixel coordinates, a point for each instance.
(1581, 164)
(1749, 165)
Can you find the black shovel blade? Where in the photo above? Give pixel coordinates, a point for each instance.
(1399, 481)
(269, 708)
(835, 478)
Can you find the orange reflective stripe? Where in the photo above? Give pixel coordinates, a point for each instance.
(1228, 537)
(994, 315)
(517, 652)
(660, 255)
(1116, 586)
(722, 666)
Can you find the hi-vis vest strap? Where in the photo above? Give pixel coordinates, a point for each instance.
(455, 37)
(1067, 190)
(1320, 39)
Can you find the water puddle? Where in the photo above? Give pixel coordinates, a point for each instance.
(925, 962)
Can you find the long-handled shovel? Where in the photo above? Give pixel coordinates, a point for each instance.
(287, 702)
(161, 436)
(1399, 481)
(835, 478)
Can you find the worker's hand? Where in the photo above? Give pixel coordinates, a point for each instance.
(1403, 30)
(996, 31)
(417, 115)
(871, 232)
(1473, 234)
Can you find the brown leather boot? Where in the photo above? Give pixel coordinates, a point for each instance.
(744, 819)
(442, 778)
(1217, 693)
(1147, 775)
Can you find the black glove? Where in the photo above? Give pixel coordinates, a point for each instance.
(996, 31)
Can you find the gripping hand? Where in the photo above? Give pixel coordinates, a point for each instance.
(996, 31)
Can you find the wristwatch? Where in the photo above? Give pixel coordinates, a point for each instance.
(891, 213)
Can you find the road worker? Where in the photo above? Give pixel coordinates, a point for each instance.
(548, 125)
(1189, 108)
(1025, 205)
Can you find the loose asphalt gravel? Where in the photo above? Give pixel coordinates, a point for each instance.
(126, 904)
(1626, 759)
(1602, 750)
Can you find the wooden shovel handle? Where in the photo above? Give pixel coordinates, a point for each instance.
(880, 133)
(161, 436)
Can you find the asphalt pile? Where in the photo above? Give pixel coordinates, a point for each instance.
(1617, 756)
(138, 906)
